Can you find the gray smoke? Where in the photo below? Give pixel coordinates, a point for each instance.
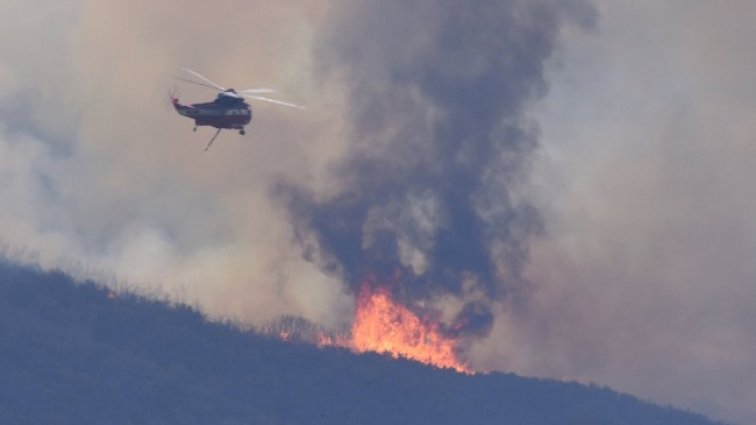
(426, 196)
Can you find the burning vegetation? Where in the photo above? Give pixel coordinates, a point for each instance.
(380, 325)
(385, 326)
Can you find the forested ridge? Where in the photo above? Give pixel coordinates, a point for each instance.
(76, 353)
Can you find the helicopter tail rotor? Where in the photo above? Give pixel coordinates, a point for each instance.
(172, 94)
(172, 99)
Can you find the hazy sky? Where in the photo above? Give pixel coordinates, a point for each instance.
(639, 159)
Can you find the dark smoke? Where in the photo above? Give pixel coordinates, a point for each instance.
(436, 95)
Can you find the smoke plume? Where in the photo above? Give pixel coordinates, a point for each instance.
(425, 199)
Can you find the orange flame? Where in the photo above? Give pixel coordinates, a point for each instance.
(384, 326)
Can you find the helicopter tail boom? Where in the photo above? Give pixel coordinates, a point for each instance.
(181, 109)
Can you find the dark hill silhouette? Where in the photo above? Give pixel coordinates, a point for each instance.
(69, 354)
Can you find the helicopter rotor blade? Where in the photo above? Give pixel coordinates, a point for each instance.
(186, 80)
(278, 102)
(255, 91)
(250, 93)
(205, 79)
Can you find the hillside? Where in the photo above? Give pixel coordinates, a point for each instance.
(70, 354)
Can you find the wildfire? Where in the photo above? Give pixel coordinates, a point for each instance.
(380, 325)
(384, 326)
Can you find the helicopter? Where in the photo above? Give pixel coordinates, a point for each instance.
(228, 111)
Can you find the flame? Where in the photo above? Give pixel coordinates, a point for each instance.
(384, 326)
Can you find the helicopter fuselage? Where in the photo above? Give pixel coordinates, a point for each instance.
(227, 111)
